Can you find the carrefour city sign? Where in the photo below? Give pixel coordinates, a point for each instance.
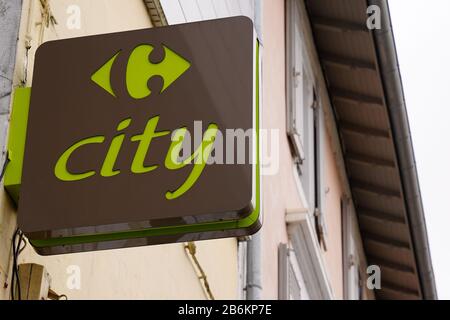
(139, 137)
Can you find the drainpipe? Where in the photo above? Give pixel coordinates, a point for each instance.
(254, 282)
(390, 72)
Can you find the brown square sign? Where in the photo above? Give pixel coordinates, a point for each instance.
(109, 121)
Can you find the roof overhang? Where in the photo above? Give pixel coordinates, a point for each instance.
(365, 88)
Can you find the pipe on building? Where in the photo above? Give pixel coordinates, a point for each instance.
(254, 277)
(395, 100)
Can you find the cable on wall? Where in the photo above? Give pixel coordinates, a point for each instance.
(47, 19)
(18, 245)
(5, 164)
(191, 250)
(53, 295)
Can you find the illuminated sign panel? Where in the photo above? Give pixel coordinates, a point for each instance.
(138, 137)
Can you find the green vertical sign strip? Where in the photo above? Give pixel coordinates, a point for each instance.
(16, 141)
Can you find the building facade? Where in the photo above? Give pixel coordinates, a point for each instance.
(338, 194)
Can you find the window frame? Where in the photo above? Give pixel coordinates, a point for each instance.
(305, 121)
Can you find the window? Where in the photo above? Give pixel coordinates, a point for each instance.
(297, 82)
(350, 259)
(288, 282)
(305, 119)
(308, 257)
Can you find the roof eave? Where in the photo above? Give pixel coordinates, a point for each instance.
(395, 101)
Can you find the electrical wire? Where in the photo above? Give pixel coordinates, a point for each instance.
(17, 249)
(191, 249)
(5, 164)
(52, 295)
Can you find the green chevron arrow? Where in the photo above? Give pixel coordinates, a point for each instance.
(139, 70)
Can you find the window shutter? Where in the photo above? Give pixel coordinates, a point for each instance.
(297, 75)
(283, 272)
(295, 81)
(288, 284)
(352, 279)
(320, 136)
(305, 121)
(294, 286)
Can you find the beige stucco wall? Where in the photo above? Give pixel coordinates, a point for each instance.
(156, 272)
(165, 271)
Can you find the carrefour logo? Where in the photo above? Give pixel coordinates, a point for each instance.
(140, 70)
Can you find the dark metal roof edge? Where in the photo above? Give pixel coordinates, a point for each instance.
(156, 13)
(395, 100)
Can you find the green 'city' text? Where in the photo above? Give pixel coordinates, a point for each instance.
(198, 158)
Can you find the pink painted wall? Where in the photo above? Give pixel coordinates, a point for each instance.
(281, 187)
(333, 218)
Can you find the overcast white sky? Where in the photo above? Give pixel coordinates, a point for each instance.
(422, 34)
